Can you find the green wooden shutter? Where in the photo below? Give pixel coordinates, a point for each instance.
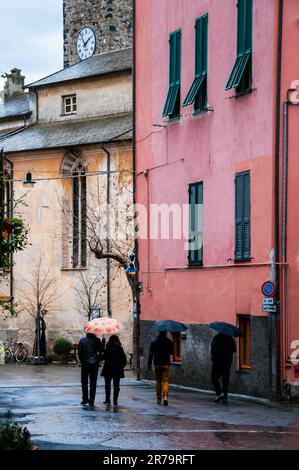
(173, 93)
(241, 27)
(172, 58)
(244, 44)
(195, 224)
(201, 60)
(242, 216)
(246, 217)
(238, 217)
(249, 20)
(178, 57)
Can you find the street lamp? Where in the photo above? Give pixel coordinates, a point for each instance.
(131, 269)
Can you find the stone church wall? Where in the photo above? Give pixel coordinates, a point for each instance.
(112, 21)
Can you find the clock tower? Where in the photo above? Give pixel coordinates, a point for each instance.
(108, 24)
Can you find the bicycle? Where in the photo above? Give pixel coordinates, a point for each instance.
(15, 350)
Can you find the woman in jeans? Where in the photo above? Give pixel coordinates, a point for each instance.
(113, 369)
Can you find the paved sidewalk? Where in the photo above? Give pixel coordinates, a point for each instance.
(46, 399)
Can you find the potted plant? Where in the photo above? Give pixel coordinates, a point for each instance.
(13, 436)
(62, 348)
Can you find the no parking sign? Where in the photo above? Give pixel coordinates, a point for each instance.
(268, 289)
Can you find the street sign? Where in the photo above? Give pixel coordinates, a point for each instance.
(268, 289)
(269, 308)
(268, 301)
(268, 305)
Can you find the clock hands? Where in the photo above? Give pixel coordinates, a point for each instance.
(82, 38)
(87, 40)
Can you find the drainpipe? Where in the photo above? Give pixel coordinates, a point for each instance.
(277, 214)
(136, 301)
(284, 259)
(284, 232)
(108, 193)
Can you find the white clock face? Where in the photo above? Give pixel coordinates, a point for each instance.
(86, 43)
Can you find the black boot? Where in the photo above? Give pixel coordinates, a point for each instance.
(115, 396)
(107, 392)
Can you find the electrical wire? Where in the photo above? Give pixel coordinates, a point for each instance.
(95, 173)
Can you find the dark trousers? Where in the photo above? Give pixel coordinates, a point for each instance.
(89, 373)
(116, 388)
(218, 370)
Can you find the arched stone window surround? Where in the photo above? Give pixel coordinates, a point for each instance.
(75, 166)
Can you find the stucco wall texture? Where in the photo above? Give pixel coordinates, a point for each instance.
(43, 213)
(290, 279)
(210, 148)
(234, 136)
(110, 95)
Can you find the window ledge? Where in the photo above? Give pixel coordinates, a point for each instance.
(176, 363)
(174, 120)
(202, 112)
(195, 266)
(243, 93)
(245, 260)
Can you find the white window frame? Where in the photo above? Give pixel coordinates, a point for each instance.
(69, 104)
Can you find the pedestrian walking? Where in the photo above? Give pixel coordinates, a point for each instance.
(161, 350)
(90, 354)
(113, 369)
(222, 349)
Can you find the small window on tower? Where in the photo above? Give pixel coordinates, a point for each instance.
(69, 104)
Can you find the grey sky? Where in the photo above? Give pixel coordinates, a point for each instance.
(31, 37)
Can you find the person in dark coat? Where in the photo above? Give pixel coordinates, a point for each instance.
(161, 350)
(113, 369)
(222, 349)
(89, 351)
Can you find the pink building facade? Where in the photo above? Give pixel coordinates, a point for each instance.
(209, 137)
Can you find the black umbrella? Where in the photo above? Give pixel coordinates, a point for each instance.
(226, 328)
(169, 325)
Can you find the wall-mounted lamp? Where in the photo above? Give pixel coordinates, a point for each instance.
(131, 269)
(28, 182)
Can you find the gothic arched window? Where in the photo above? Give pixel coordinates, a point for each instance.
(79, 216)
(74, 168)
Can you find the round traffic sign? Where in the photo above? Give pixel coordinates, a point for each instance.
(268, 289)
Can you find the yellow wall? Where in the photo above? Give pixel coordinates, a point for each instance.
(44, 216)
(95, 97)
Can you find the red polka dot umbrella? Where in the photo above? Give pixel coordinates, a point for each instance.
(103, 326)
